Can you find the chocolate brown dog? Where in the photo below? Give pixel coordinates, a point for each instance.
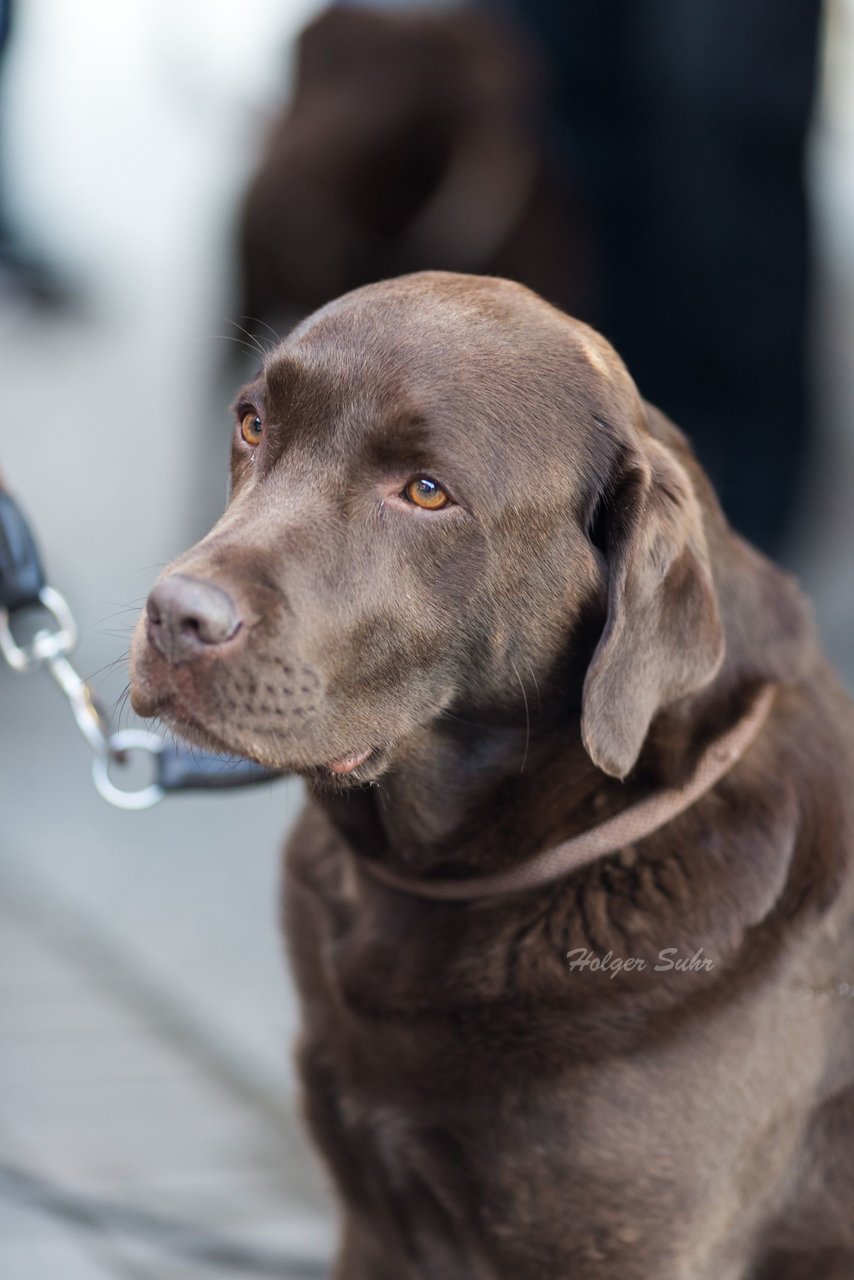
(479, 593)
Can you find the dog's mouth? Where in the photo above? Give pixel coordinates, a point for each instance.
(353, 767)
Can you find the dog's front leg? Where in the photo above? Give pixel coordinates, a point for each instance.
(361, 1256)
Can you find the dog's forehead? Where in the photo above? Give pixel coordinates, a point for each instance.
(356, 407)
(498, 320)
(377, 340)
(447, 325)
(480, 364)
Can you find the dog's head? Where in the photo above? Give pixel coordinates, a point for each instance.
(444, 492)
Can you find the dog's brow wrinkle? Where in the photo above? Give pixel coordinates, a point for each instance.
(403, 440)
(291, 382)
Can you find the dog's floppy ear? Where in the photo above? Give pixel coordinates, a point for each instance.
(663, 637)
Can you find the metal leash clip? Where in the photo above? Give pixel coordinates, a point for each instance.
(45, 644)
(28, 605)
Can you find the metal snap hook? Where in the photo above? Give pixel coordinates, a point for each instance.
(45, 644)
(120, 744)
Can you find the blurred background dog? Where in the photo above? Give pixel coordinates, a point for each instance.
(413, 139)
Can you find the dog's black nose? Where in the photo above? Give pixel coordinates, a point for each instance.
(187, 617)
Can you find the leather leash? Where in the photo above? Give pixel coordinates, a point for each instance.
(634, 823)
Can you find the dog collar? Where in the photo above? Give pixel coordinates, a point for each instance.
(632, 824)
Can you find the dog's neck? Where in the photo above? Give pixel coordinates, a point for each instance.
(469, 798)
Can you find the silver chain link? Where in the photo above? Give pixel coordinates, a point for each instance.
(49, 650)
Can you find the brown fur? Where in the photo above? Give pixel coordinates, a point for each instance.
(567, 637)
(410, 141)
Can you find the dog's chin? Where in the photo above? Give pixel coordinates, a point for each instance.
(351, 770)
(145, 700)
(195, 734)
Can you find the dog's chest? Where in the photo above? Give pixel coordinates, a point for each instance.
(467, 1170)
(463, 1132)
(483, 1138)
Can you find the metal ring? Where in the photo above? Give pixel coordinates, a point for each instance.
(127, 740)
(44, 644)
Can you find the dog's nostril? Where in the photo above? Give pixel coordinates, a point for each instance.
(187, 616)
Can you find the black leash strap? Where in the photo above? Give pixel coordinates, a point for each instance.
(21, 574)
(51, 634)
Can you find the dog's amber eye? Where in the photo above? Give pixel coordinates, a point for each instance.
(251, 428)
(425, 493)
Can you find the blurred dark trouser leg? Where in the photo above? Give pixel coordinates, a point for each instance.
(24, 274)
(686, 121)
(5, 23)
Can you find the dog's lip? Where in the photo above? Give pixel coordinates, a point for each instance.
(352, 770)
(348, 764)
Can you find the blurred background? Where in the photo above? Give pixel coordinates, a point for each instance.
(179, 182)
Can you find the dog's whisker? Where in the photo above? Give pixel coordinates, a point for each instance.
(536, 685)
(257, 320)
(126, 608)
(230, 337)
(253, 339)
(108, 666)
(473, 724)
(120, 703)
(527, 717)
